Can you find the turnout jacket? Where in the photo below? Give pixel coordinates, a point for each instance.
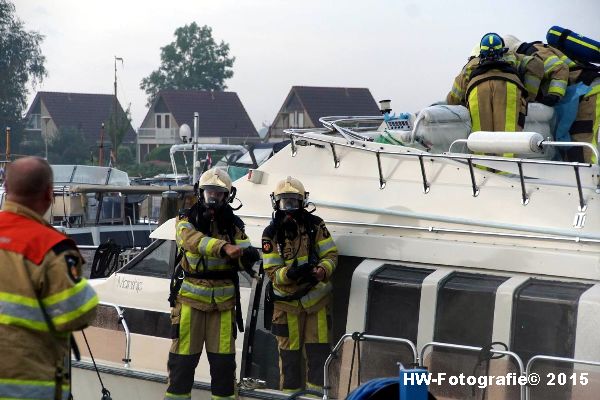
(202, 252)
(526, 72)
(556, 71)
(279, 254)
(42, 300)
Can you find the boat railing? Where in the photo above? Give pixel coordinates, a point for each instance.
(123, 322)
(301, 137)
(359, 337)
(576, 379)
(452, 346)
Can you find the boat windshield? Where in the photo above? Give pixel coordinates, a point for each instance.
(88, 174)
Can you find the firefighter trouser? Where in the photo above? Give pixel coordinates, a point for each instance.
(295, 333)
(191, 328)
(496, 105)
(585, 129)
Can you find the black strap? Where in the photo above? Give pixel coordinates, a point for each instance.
(563, 37)
(502, 66)
(176, 279)
(528, 48)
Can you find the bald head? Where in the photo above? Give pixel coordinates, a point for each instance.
(29, 182)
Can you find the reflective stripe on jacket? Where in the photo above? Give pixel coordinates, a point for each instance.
(202, 253)
(277, 261)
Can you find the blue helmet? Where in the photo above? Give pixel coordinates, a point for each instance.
(491, 46)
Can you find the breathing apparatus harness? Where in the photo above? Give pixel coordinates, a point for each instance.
(281, 229)
(201, 216)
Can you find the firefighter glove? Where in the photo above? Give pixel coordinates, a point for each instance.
(295, 272)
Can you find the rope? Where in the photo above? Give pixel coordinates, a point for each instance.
(357, 337)
(105, 392)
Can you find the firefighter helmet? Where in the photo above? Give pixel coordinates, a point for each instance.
(215, 186)
(289, 195)
(491, 46)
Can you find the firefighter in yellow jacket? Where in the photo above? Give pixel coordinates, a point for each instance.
(205, 302)
(556, 72)
(299, 257)
(496, 86)
(43, 297)
(587, 122)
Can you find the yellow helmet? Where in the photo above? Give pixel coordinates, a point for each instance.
(215, 186)
(289, 195)
(215, 178)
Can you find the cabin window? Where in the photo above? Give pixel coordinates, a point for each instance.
(545, 322)
(158, 121)
(167, 121)
(300, 120)
(464, 294)
(545, 317)
(394, 301)
(154, 261)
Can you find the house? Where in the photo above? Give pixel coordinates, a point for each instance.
(304, 105)
(51, 112)
(222, 119)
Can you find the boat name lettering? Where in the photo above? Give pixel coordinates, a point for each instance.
(129, 284)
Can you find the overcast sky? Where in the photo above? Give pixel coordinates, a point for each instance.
(405, 50)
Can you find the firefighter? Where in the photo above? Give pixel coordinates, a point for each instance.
(206, 302)
(299, 257)
(556, 72)
(43, 297)
(587, 122)
(496, 86)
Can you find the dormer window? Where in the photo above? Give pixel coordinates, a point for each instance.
(163, 121)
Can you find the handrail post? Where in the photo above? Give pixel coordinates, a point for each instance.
(426, 185)
(336, 160)
(121, 320)
(524, 198)
(472, 173)
(382, 181)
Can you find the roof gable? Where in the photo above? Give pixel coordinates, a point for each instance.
(327, 101)
(82, 111)
(221, 113)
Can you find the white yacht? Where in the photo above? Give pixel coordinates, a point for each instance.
(456, 261)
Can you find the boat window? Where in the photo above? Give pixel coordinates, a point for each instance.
(545, 322)
(465, 315)
(62, 173)
(118, 177)
(464, 294)
(90, 174)
(545, 317)
(394, 300)
(261, 156)
(154, 262)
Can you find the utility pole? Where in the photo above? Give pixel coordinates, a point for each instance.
(101, 147)
(8, 143)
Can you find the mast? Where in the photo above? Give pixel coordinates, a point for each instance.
(114, 109)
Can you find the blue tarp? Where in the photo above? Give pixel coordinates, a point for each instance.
(566, 111)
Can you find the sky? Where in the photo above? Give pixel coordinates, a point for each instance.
(408, 51)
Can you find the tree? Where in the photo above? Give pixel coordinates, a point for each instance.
(68, 147)
(193, 61)
(118, 125)
(21, 61)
